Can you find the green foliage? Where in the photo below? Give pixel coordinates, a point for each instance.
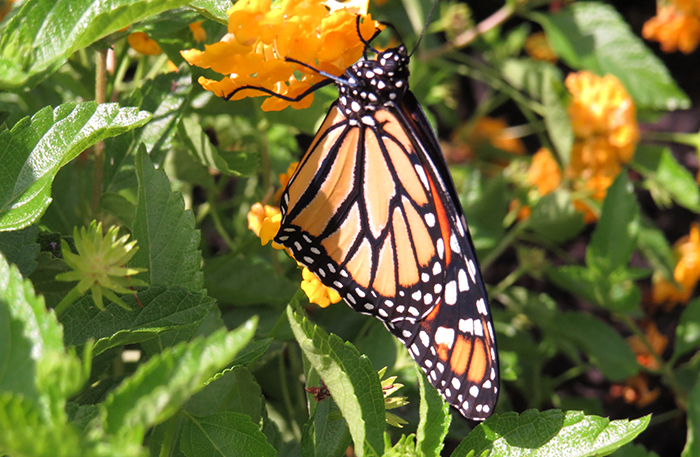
(211, 353)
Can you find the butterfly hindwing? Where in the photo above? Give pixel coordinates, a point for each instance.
(372, 211)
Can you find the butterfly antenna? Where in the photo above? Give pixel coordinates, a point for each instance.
(425, 27)
(367, 43)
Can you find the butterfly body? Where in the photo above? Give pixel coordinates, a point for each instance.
(372, 211)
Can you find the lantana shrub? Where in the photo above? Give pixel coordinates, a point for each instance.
(145, 309)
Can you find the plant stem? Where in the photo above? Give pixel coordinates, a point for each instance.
(218, 225)
(100, 98)
(70, 297)
(691, 139)
(505, 242)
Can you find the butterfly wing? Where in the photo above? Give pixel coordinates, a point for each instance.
(373, 212)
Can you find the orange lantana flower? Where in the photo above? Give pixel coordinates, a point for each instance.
(544, 172)
(686, 274)
(538, 48)
(656, 340)
(144, 44)
(603, 118)
(198, 31)
(676, 26)
(486, 130)
(636, 391)
(260, 39)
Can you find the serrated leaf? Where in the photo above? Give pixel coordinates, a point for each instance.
(550, 433)
(35, 149)
(118, 206)
(164, 310)
(326, 433)
(33, 361)
(166, 97)
(692, 444)
(658, 165)
(42, 35)
(434, 420)
(555, 218)
(20, 248)
(350, 378)
(633, 450)
(655, 247)
(161, 386)
(688, 330)
(615, 236)
(224, 434)
(199, 146)
(165, 231)
(236, 391)
(603, 345)
(593, 36)
(239, 280)
(615, 291)
(212, 9)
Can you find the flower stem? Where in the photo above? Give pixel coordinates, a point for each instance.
(100, 98)
(72, 296)
(691, 139)
(506, 241)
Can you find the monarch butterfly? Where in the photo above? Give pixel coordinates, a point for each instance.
(372, 211)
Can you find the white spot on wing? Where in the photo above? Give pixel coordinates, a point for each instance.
(451, 292)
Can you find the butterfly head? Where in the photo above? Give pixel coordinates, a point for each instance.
(370, 84)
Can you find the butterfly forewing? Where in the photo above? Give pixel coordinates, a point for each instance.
(372, 211)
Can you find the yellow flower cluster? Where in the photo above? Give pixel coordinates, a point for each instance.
(603, 118)
(261, 38)
(265, 221)
(686, 274)
(676, 26)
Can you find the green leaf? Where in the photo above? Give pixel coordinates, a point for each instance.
(35, 149)
(603, 345)
(633, 450)
(235, 391)
(550, 433)
(350, 378)
(326, 433)
(224, 434)
(615, 237)
(161, 386)
(688, 330)
(20, 248)
(118, 206)
(230, 163)
(593, 36)
(692, 444)
(434, 420)
(164, 310)
(665, 176)
(556, 118)
(212, 9)
(43, 34)
(44, 279)
(33, 361)
(167, 239)
(239, 280)
(166, 97)
(554, 217)
(655, 247)
(615, 290)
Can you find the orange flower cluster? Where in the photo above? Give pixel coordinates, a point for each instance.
(656, 340)
(676, 26)
(603, 118)
(636, 391)
(486, 130)
(686, 274)
(265, 221)
(604, 122)
(260, 39)
(5, 7)
(538, 48)
(144, 44)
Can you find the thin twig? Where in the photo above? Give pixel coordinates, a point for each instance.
(100, 98)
